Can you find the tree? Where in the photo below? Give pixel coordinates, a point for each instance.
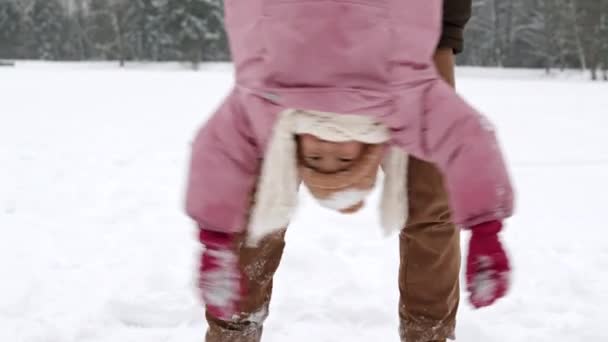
(604, 39)
(592, 15)
(492, 30)
(559, 31)
(542, 36)
(537, 33)
(46, 28)
(196, 27)
(144, 32)
(80, 45)
(217, 39)
(119, 9)
(10, 29)
(101, 29)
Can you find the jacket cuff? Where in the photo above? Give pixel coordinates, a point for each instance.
(452, 37)
(215, 239)
(487, 228)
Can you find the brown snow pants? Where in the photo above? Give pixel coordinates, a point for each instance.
(428, 272)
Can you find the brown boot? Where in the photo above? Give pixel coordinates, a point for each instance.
(242, 331)
(258, 266)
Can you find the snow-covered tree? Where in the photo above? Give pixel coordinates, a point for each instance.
(490, 31)
(217, 39)
(102, 29)
(197, 28)
(543, 39)
(604, 40)
(10, 29)
(144, 31)
(45, 28)
(589, 23)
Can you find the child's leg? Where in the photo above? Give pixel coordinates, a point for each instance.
(430, 259)
(258, 265)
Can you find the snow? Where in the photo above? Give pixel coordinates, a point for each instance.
(94, 244)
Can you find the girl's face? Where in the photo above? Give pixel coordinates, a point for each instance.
(328, 157)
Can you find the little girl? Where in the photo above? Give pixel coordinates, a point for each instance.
(327, 91)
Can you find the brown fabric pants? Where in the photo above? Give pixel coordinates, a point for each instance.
(428, 273)
(430, 260)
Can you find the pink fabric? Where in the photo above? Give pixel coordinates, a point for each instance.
(220, 281)
(365, 57)
(488, 270)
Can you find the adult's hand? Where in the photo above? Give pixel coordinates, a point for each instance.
(444, 61)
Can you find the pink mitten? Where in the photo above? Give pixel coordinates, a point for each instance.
(220, 279)
(488, 268)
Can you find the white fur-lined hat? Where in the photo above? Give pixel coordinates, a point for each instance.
(276, 195)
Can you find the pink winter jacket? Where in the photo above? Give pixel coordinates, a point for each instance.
(364, 57)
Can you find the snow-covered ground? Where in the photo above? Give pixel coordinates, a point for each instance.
(94, 245)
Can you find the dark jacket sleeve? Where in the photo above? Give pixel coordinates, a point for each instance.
(456, 14)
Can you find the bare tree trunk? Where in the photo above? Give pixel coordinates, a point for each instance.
(119, 36)
(603, 33)
(605, 65)
(593, 53)
(577, 35)
(509, 32)
(196, 57)
(83, 42)
(593, 40)
(594, 58)
(498, 51)
(547, 36)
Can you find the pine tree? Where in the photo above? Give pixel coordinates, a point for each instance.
(562, 33)
(197, 28)
(144, 32)
(81, 44)
(539, 40)
(217, 40)
(490, 32)
(589, 24)
(604, 39)
(102, 29)
(119, 8)
(10, 29)
(187, 25)
(46, 29)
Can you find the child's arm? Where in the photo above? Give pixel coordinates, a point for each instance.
(463, 144)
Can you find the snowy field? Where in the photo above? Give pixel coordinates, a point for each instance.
(94, 245)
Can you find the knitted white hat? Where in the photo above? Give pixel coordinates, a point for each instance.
(277, 191)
